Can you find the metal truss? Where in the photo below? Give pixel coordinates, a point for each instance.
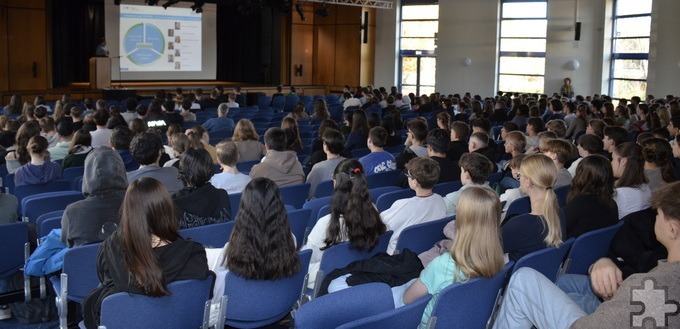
(380, 4)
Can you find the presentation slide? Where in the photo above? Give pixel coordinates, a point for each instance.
(156, 39)
(151, 43)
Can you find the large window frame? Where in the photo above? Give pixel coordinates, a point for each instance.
(423, 56)
(521, 56)
(618, 78)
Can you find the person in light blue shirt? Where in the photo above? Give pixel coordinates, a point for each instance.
(378, 160)
(221, 123)
(475, 169)
(230, 179)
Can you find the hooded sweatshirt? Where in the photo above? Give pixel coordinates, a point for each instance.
(282, 167)
(104, 183)
(179, 260)
(30, 174)
(202, 206)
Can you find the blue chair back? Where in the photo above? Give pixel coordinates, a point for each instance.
(246, 166)
(257, 303)
(80, 268)
(547, 261)
(324, 189)
(378, 191)
(315, 205)
(77, 184)
(295, 195)
(562, 192)
(519, 207)
(47, 224)
(13, 238)
(588, 248)
(468, 304)
(235, 201)
(8, 183)
(341, 255)
(37, 204)
(407, 316)
(448, 187)
(421, 237)
(383, 179)
(184, 308)
(71, 173)
(495, 178)
(298, 220)
(340, 307)
(213, 235)
(358, 153)
(23, 191)
(386, 200)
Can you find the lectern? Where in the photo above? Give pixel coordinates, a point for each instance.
(100, 72)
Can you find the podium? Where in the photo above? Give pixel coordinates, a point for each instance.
(100, 72)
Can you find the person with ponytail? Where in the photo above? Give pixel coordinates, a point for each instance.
(38, 170)
(658, 157)
(146, 253)
(632, 189)
(545, 225)
(353, 217)
(476, 251)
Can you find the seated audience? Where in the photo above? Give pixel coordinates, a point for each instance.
(458, 144)
(20, 155)
(658, 157)
(48, 131)
(415, 137)
(221, 123)
(479, 143)
(279, 165)
(202, 140)
(40, 170)
(378, 160)
(359, 133)
(475, 169)
(146, 150)
(333, 142)
(78, 150)
(247, 141)
(559, 151)
(102, 135)
(292, 130)
(104, 183)
(613, 137)
(161, 255)
(199, 202)
(230, 179)
(587, 145)
(121, 137)
(632, 190)
(65, 133)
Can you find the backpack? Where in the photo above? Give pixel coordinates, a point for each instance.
(37, 310)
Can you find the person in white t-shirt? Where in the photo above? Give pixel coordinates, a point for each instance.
(102, 135)
(230, 179)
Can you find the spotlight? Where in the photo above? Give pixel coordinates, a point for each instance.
(151, 2)
(323, 11)
(169, 3)
(116, 2)
(300, 12)
(198, 6)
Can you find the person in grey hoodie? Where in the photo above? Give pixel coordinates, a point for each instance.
(279, 165)
(104, 184)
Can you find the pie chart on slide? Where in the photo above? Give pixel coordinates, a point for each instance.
(144, 44)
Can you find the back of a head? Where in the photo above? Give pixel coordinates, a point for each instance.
(461, 129)
(227, 153)
(121, 137)
(560, 147)
(169, 106)
(275, 139)
(658, 151)
(617, 134)
(261, 246)
(482, 124)
(131, 104)
(425, 171)
(666, 199)
(222, 110)
(418, 129)
(477, 248)
(438, 140)
(634, 165)
(541, 171)
(591, 143)
(378, 136)
(594, 177)
(104, 172)
(334, 141)
(196, 167)
(145, 148)
(517, 139)
(101, 117)
(558, 126)
(481, 138)
(477, 166)
(37, 145)
(81, 137)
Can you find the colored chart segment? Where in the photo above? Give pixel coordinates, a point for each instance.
(144, 44)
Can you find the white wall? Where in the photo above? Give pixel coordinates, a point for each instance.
(469, 28)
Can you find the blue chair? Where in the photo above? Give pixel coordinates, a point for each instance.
(234, 200)
(246, 166)
(383, 179)
(407, 316)
(421, 237)
(468, 304)
(264, 101)
(588, 248)
(71, 173)
(358, 153)
(519, 207)
(37, 204)
(325, 210)
(213, 235)
(78, 184)
(562, 192)
(8, 183)
(257, 303)
(324, 189)
(188, 306)
(386, 200)
(495, 178)
(78, 278)
(298, 220)
(23, 191)
(378, 191)
(47, 224)
(13, 240)
(315, 205)
(547, 261)
(340, 307)
(395, 149)
(448, 187)
(295, 195)
(341, 255)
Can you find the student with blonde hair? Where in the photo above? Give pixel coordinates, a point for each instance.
(545, 225)
(476, 250)
(230, 179)
(246, 138)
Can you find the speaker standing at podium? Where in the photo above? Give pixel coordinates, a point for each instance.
(101, 49)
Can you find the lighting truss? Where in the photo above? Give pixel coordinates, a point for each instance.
(380, 4)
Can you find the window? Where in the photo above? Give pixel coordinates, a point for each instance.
(630, 48)
(418, 37)
(521, 60)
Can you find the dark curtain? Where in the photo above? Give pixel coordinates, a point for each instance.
(77, 29)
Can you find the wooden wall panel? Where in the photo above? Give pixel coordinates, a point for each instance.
(302, 48)
(26, 29)
(348, 46)
(367, 73)
(34, 4)
(4, 67)
(324, 55)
